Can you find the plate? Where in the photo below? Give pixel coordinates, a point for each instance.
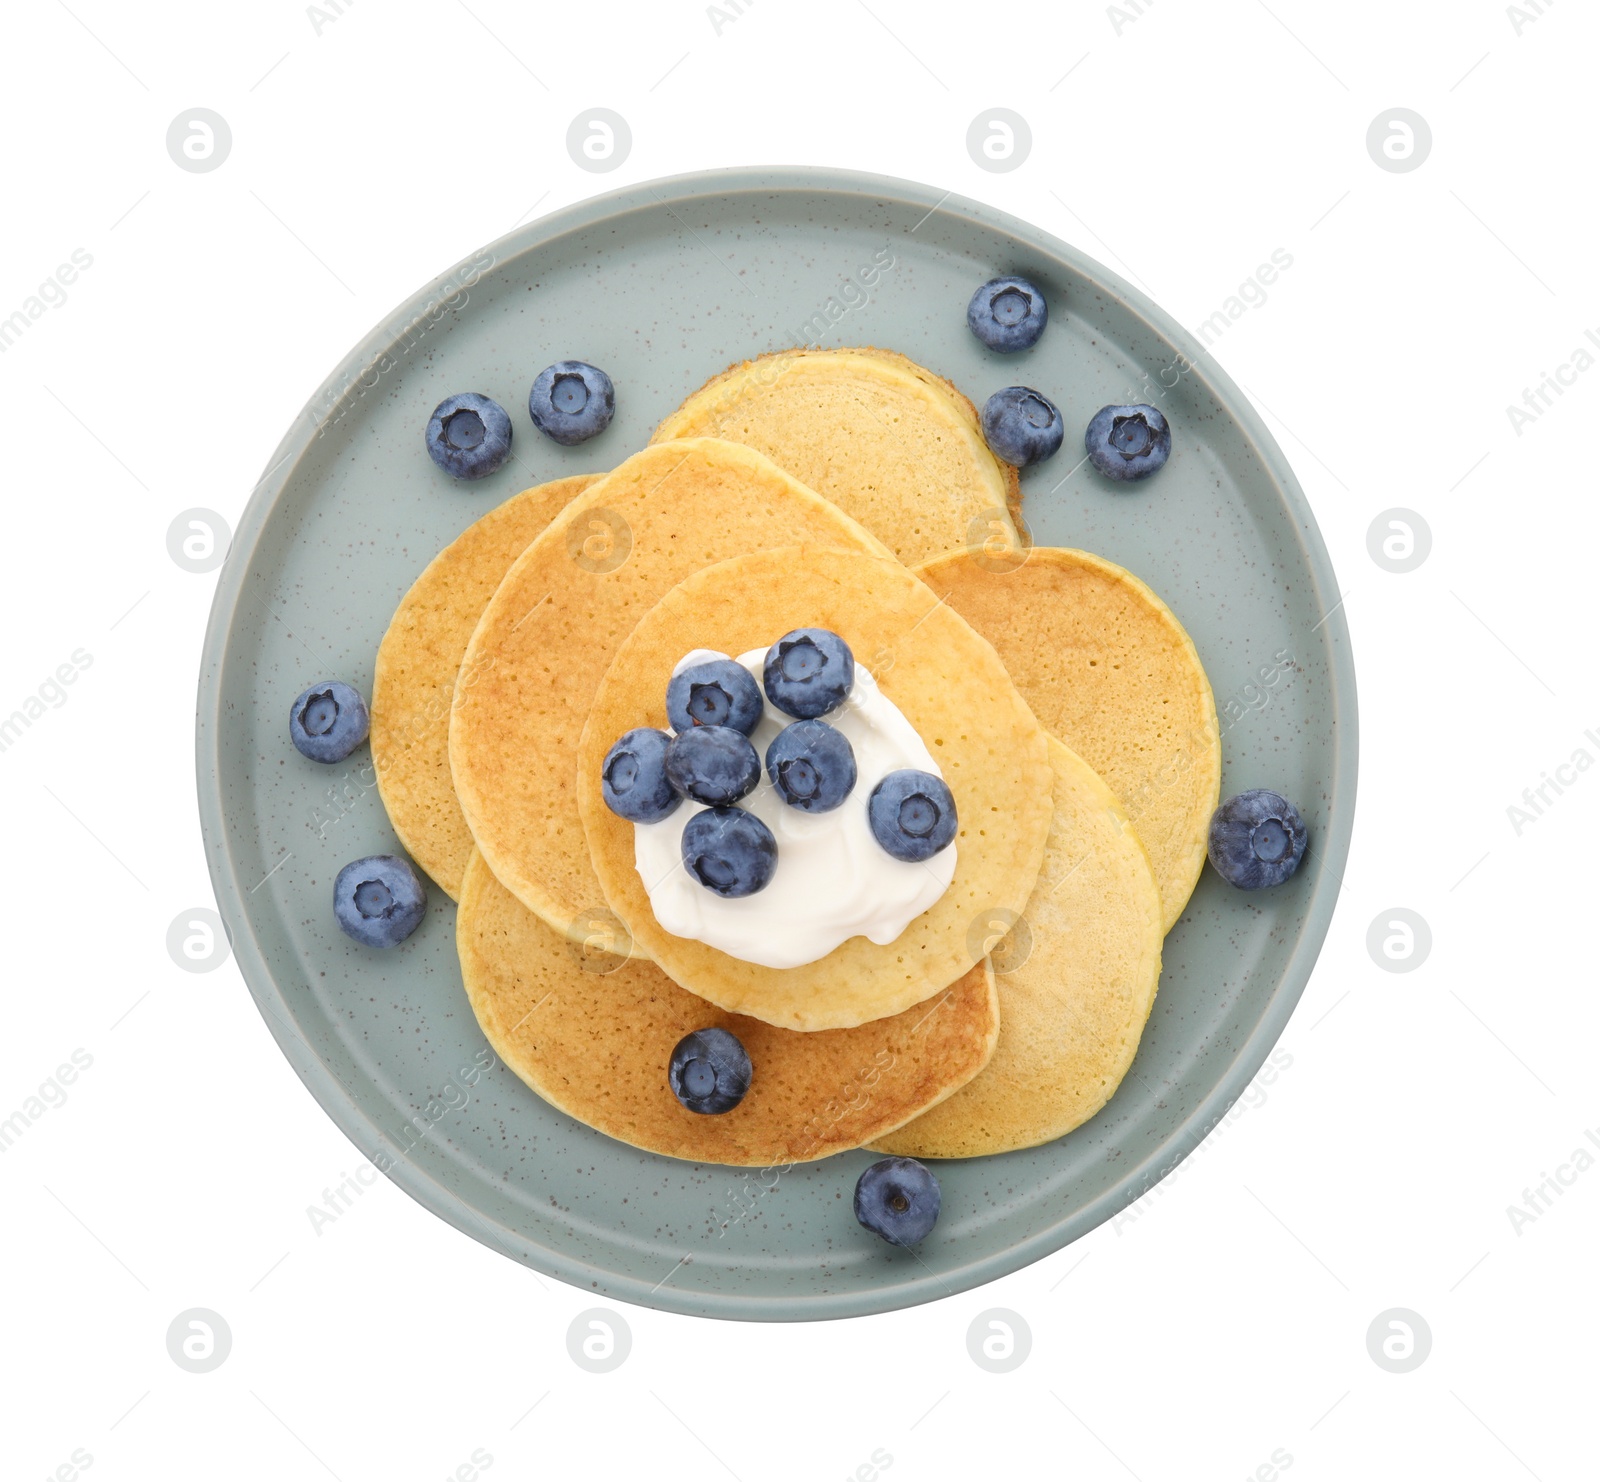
(664, 284)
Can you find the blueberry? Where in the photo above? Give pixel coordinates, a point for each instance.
(709, 1071)
(1007, 314)
(898, 1199)
(1128, 443)
(718, 692)
(469, 436)
(1022, 426)
(379, 900)
(812, 765)
(731, 852)
(328, 721)
(809, 672)
(571, 401)
(633, 777)
(713, 764)
(912, 815)
(1257, 839)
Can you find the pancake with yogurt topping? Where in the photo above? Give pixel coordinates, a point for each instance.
(836, 880)
(948, 684)
(551, 629)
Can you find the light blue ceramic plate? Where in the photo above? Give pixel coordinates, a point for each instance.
(663, 285)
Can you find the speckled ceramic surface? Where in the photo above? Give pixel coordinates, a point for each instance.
(663, 285)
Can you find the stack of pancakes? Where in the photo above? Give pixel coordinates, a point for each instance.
(1071, 718)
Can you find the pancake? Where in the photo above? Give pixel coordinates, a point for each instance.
(1109, 671)
(416, 671)
(1077, 976)
(592, 1033)
(551, 629)
(885, 439)
(948, 684)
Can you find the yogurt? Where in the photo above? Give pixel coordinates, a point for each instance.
(834, 880)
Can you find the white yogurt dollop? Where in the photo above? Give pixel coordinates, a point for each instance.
(834, 880)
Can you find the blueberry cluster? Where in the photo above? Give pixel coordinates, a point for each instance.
(469, 434)
(1023, 426)
(808, 673)
(708, 757)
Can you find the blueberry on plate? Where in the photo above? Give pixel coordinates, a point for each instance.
(731, 852)
(713, 764)
(1128, 443)
(1022, 425)
(812, 765)
(1257, 839)
(379, 900)
(808, 672)
(1007, 314)
(633, 777)
(328, 721)
(912, 815)
(572, 401)
(469, 436)
(717, 692)
(898, 1199)
(709, 1071)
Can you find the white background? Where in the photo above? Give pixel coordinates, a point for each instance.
(1227, 1322)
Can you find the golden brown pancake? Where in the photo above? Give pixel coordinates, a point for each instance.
(551, 629)
(949, 685)
(1077, 976)
(1109, 671)
(884, 438)
(592, 1033)
(415, 678)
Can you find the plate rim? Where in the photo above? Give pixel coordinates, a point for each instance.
(905, 1291)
